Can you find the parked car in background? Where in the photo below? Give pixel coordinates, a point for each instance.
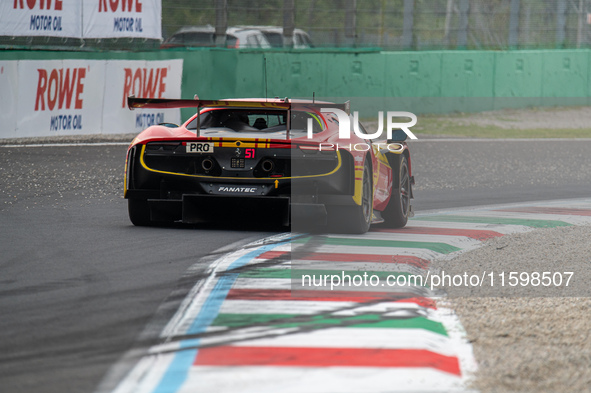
(204, 36)
(191, 36)
(240, 37)
(274, 34)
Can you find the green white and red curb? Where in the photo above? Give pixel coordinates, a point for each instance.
(243, 329)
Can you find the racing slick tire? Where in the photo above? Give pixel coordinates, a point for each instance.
(397, 211)
(354, 219)
(139, 212)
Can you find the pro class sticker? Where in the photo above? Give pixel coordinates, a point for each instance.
(199, 147)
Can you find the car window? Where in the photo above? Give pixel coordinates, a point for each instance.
(253, 120)
(252, 41)
(231, 41)
(275, 39)
(192, 38)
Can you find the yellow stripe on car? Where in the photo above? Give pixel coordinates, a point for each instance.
(146, 167)
(358, 184)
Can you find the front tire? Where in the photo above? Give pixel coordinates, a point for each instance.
(139, 212)
(398, 210)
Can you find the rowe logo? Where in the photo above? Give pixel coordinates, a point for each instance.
(116, 5)
(31, 4)
(144, 82)
(59, 87)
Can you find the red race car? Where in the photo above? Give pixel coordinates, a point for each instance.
(244, 159)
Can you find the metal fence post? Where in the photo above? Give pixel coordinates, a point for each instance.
(407, 24)
(448, 15)
(351, 23)
(221, 22)
(580, 24)
(463, 24)
(560, 22)
(514, 24)
(288, 22)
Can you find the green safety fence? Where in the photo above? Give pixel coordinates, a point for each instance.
(413, 80)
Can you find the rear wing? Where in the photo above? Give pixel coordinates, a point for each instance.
(286, 105)
(166, 103)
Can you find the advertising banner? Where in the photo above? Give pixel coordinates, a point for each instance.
(60, 97)
(122, 18)
(81, 19)
(47, 18)
(8, 93)
(148, 79)
(83, 97)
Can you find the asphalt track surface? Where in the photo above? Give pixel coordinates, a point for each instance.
(79, 283)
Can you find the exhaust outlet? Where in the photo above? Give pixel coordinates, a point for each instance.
(207, 164)
(267, 165)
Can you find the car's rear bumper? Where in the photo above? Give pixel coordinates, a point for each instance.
(193, 209)
(172, 195)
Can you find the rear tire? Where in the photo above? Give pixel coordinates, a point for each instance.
(354, 219)
(139, 212)
(398, 210)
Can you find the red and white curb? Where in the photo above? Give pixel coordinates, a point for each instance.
(244, 330)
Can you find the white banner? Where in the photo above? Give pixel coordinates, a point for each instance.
(81, 19)
(83, 97)
(8, 94)
(122, 18)
(60, 97)
(147, 79)
(47, 18)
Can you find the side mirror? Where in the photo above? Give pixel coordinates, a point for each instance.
(398, 136)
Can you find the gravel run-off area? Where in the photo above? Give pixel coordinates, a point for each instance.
(532, 340)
